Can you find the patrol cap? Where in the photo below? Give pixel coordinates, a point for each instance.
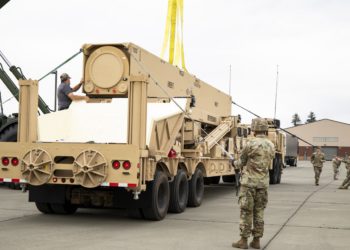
(64, 77)
(260, 125)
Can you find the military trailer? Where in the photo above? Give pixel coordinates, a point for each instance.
(146, 140)
(292, 146)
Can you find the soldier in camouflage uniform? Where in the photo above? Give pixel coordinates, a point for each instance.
(346, 160)
(346, 182)
(254, 163)
(317, 160)
(336, 161)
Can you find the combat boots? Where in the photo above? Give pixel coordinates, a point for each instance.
(255, 243)
(242, 243)
(342, 187)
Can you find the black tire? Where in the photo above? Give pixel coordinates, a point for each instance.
(295, 162)
(63, 208)
(158, 202)
(196, 189)
(279, 177)
(9, 134)
(280, 167)
(278, 170)
(45, 208)
(179, 192)
(289, 162)
(274, 172)
(228, 178)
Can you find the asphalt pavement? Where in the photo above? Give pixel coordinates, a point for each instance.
(299, 216)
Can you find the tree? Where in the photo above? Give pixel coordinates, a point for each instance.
(311, 117)
(296, 119)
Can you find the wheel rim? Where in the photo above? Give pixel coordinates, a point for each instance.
(36, 167)
(90, 169)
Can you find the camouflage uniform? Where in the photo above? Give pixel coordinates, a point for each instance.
(336, 163)
(346, 182)
(347, 162)
(317, 160)
(255, 162)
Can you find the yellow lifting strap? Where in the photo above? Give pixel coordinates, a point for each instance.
(173, 36)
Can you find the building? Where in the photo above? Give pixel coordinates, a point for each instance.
(332, 136)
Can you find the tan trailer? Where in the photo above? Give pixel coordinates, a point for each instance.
(131, 159)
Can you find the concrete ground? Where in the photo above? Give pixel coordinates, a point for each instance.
(299, 216)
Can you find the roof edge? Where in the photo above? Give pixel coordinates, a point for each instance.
(324, 119)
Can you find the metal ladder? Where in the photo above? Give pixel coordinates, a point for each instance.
(218, 133)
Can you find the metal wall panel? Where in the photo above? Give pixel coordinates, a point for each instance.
(329, 152)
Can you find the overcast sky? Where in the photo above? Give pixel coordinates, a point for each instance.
(308, 39)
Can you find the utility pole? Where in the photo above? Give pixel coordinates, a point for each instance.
(274, 116)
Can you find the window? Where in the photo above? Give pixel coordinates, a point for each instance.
(325, 139)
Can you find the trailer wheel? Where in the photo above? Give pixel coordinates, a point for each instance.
(9, 134)
(295, 162)
(280, 167)
(275, 171)
(179, 192)
(279, 178)
(45, 208)
(272, 174)
(228, 178)
(196, 189)
(159, 197)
